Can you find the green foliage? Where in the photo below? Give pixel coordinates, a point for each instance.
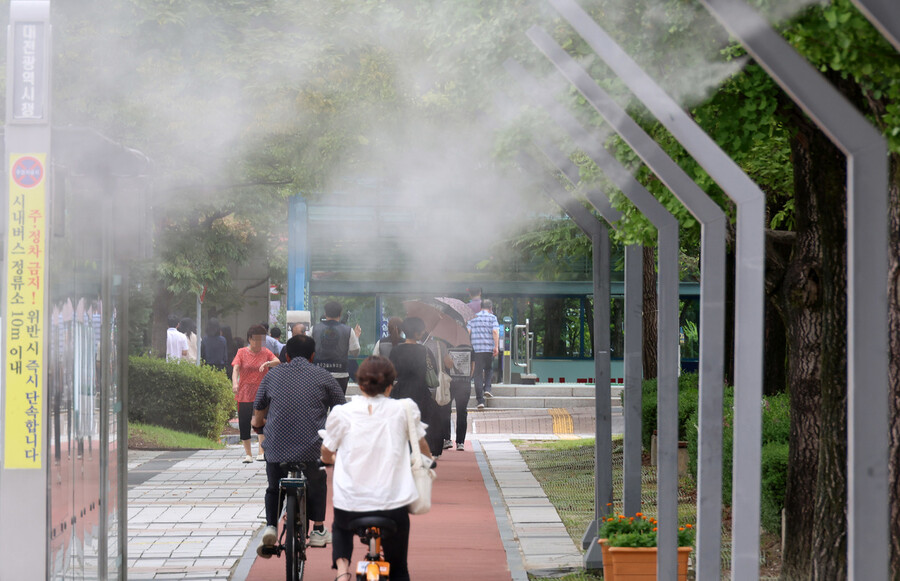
(147, 437)
(688, 385)
(179, 395)
(774, 468)
(622, 525)
(775, 430)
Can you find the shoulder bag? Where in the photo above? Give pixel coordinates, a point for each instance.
(422, 474)
(442, 392)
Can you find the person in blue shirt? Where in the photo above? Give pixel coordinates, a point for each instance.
(484, 329)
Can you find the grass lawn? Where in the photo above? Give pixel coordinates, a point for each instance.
(565, 469)
(147, 437)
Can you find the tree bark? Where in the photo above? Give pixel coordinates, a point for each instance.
(894, 363)
(162, 308)
(650, 311)
(799, 301)
(827, 181)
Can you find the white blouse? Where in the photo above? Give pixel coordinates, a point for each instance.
(371, 470)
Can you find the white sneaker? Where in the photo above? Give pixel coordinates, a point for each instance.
(319, 538)
(478, 407)
(270, 535)
(248, 459)
(260, 457)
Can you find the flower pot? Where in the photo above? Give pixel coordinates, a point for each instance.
(608, 570)
(639, 563)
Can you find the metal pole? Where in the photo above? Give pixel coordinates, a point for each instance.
(867, 285)
(712, 295)
(749, 294)
(631, 479)
(884, 15)
(634, 340)
(667, 241)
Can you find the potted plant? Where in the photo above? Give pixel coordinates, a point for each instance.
(629, 548)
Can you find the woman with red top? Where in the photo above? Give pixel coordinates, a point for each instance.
(250, 366)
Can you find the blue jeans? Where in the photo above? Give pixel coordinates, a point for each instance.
(484, 369)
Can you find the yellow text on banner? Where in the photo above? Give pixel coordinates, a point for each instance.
(25, 326)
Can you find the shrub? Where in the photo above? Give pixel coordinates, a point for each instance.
(688, 397)
(179, 395)
(774, 484)
(775, 430)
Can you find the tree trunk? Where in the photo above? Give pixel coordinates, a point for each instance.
(775, 352)
(894, 367)
(554, 325)
(162, 308)
(650, 311)
(827, 181)
(800, 303)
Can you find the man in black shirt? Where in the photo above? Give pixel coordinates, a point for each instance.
(291, 406)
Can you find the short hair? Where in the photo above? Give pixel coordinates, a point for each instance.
(375, 375)
(298, 328)
(475, 291)
(212, 328)
(275, 332)
(333, 309)
(300, 346)
(486, 304)
(173, 321)
(255, 330)
(413, 327)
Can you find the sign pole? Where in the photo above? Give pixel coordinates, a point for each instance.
(23, 400)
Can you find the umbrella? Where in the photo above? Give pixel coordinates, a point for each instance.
(438, 323)
(456, 307)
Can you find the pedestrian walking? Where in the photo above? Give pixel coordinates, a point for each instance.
(336, 343)
(250, 365)
(410, 360)
(484, 330)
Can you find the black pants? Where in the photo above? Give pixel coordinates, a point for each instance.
(484, 369)
(316, 493)
(343, 382)
(396, 545)
(245, 414)
(460, 392)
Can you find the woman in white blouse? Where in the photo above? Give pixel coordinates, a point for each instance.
(367, 440)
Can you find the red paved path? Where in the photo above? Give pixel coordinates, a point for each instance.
(458, 539)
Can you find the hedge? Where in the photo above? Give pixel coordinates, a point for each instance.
(179, 395)
(688, 397)
(776, 424)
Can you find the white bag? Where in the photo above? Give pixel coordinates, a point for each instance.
(423, 475)
(442, 393)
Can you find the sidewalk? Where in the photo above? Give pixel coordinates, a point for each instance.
(200, 515)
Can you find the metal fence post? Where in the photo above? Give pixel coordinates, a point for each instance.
(631, 479)
(750, 260)
(867, 285)
(712, 294)
(667, 317)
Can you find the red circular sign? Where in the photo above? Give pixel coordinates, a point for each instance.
(27, 172)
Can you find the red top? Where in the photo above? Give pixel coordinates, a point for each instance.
(249, 377)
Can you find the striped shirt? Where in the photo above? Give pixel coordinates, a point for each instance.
(482, 327)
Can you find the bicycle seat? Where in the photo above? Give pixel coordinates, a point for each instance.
(385, 524)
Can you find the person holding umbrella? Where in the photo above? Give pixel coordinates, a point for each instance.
(411, 360)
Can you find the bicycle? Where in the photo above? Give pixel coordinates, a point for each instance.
(370, 530)
(292, 541)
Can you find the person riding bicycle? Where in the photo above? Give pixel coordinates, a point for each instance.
(367, 440)
(292, 403)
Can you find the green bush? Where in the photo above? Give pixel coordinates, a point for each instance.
(688, 397)
(774, 484)
(179, 395)
(776, 421)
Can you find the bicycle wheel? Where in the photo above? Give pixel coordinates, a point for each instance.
(294, 541)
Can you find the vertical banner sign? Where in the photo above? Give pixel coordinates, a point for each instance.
(28, 73)
(25, 256)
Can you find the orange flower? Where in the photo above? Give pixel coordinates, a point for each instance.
(680, 528)
(654, 529)
(689, 526)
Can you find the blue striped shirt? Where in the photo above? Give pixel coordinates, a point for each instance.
(481, 327)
